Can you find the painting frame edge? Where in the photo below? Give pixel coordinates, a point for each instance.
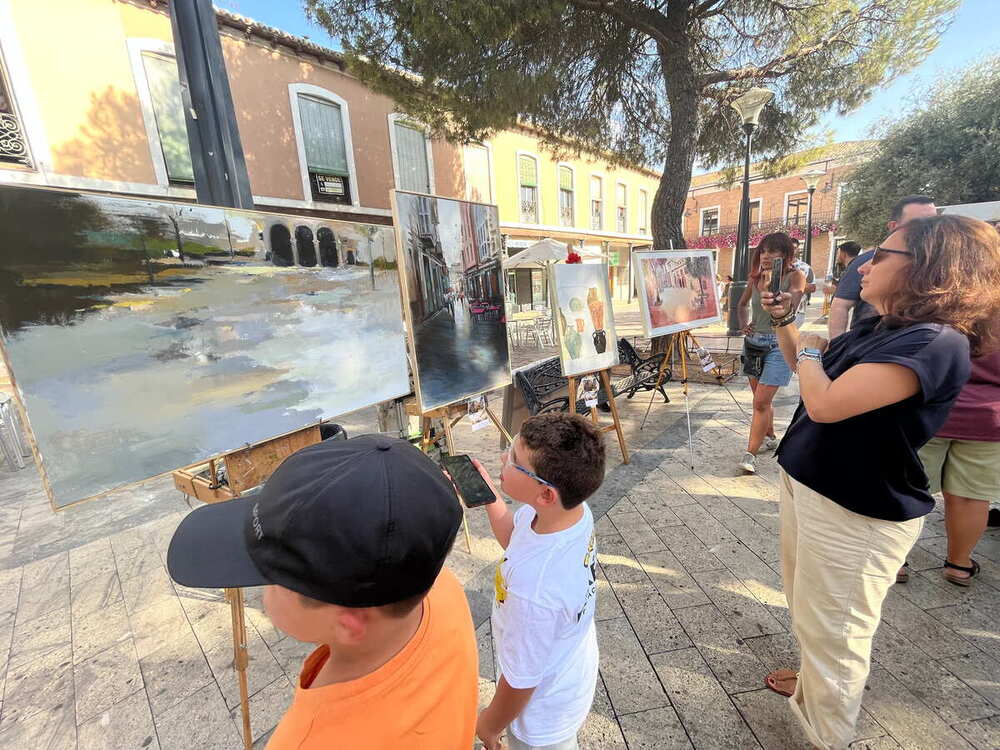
(404, 279)
(651, 331)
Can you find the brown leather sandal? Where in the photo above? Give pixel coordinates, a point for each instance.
(973, 571)
(779, 680)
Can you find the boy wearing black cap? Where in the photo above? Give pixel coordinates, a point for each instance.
(543, 610)
(350, 538)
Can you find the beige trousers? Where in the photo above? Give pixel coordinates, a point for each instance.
(837, 568)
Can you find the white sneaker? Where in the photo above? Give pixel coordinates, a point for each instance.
(770, 443)
(747, 464)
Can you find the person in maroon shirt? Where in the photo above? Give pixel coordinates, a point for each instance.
(963, 462)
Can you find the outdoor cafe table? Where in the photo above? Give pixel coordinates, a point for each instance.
(527, 317)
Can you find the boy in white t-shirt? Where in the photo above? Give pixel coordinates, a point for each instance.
(545, 586)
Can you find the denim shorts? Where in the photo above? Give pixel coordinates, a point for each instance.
(776, 370)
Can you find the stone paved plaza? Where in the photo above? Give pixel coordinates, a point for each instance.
(98, 649)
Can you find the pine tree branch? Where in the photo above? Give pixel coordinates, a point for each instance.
(640, 18)
(773, 68)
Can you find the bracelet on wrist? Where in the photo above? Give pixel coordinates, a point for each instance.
(782, 322)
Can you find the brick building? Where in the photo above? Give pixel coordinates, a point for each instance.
(711, 215)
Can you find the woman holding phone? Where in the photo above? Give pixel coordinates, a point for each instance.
(870, 400)
(763, 362)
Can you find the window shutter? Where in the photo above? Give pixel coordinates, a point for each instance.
(411, 157)
(565, 178)
(527, 171)
(323, 136)
(168, 109)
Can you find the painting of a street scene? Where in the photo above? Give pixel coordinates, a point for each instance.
(678, 291)
(454, 295)
(147, 335)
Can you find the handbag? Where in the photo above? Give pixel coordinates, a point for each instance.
(753, 358)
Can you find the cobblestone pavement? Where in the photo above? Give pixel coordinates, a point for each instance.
(99, 649)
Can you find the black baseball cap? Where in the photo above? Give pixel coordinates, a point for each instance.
(360, 523)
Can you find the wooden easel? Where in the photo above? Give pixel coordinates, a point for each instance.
(682, 343)
(449, 420)
(616, 424)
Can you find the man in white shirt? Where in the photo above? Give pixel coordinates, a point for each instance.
(545, 586)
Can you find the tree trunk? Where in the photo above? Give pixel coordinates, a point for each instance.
(682, 94)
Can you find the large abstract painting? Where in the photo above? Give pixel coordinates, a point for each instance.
(585, 320)
(677, 290)
(454, 297)
(146, 335)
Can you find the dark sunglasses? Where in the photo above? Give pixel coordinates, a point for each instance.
(881, 252)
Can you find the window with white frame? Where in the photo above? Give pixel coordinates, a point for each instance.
(322, 126)
(643, 212)
(796, 208)
(596, 202)
(710, 221)
(168, 110)
(478, 178)
(755, 218)
(566, 195)
(13, 144)
(621, 208)
(413, 169)
(527, 177)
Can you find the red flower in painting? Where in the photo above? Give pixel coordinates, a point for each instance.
(574, 258)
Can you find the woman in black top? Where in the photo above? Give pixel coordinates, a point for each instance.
(853, 491)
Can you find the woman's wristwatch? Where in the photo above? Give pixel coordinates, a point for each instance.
(809, 353)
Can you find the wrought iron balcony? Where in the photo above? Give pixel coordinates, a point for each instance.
(13, 146)
(774, 223)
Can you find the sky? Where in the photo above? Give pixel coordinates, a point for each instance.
(974, 34)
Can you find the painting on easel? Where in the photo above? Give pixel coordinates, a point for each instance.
(453, 295)
(585, 319)
(677, 290)
(146, 335)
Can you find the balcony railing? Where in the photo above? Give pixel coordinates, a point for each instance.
(13, 146)
(773, 223)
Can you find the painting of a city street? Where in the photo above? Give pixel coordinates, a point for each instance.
(678, 291)
(453, 291)
(145, 335)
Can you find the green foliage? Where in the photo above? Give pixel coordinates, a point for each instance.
(947, 147)
(647, 81)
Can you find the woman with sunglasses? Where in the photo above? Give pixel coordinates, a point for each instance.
(853, 491)
(760, 344)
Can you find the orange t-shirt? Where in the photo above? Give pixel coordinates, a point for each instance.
(424, 698)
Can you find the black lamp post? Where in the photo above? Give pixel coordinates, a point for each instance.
(749, 107)
(811, 179)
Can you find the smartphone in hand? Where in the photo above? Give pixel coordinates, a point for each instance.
(776, 270)
(472, 488)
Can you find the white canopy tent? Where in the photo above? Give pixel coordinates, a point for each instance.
(544, 253)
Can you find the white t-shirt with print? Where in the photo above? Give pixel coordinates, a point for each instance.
(543, 625)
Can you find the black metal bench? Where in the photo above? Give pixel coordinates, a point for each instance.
(644, 372)
(538, 384)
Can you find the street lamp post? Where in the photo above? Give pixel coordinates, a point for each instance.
(811, 179)
(749, 107)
